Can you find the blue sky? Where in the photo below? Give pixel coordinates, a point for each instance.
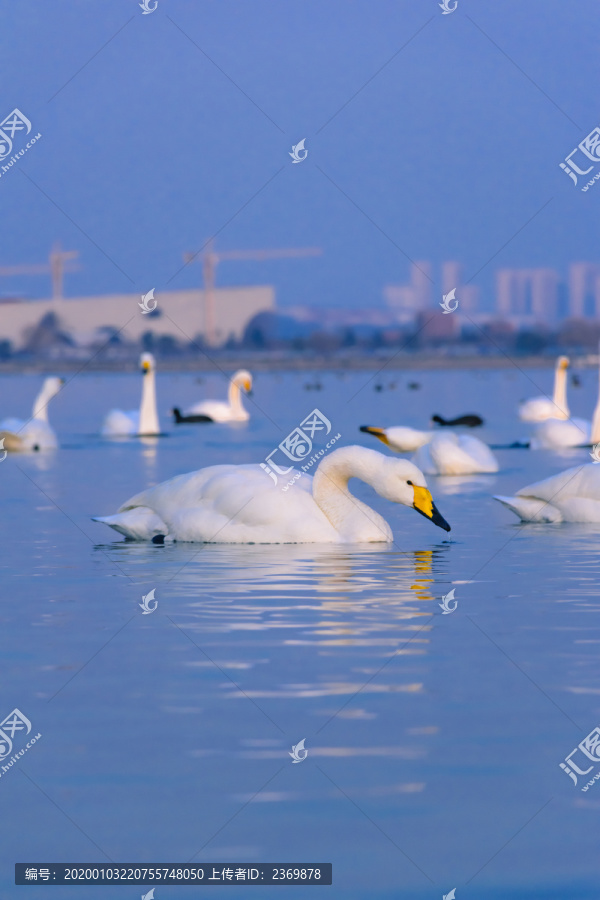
(425, 141)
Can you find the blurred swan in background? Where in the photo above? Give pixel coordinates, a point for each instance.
(240, 504)
(219, 410)
(570, 496)
(538, 409)
(21, 435)
(142, 421)
(554, 434)
(439, 453)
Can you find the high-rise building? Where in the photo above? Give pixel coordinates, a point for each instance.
(584, 290)
(466, 294)
(527, 295)
(407, 300)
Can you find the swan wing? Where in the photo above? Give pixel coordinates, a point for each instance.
(537, 409)
(138, 524)
(556, 433)
(236, 504)
(479, 452)
(118, 422)
(530, 509)
(22, 436)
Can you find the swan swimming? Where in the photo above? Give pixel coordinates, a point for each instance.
(36, 433)
(438, 453)
(142, 421)
(239, 504)
(219, 410)
(538, 409)
(570, 496)
(554, 434)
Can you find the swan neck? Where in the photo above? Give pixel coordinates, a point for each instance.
(595, 432)
(235, 397)
(560, 391)
(330, 483)
(148, 412)
(40, 406)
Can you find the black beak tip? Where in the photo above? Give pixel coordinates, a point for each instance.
(364, 428)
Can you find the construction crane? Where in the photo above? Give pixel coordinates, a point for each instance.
(59, 262)
(210, 259)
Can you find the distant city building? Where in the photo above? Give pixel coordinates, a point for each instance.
(408, 300)
(527, 296)
(179, 314)
(584, 290)
(466, 294)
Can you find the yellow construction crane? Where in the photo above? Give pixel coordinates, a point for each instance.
(210, 259)
(58, 263)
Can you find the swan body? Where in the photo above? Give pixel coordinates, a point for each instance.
(142, 421)
(438, 453)
(35, 433)
(538, 409)
(554, 434)
(231, 410)
(454, 454)
(400, 438)
(570, 496)
(240, 504)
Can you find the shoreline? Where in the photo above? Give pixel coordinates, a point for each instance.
(279, 362)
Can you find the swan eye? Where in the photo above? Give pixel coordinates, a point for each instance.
(409, 482)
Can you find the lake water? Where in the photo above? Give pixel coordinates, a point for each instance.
(434, 741)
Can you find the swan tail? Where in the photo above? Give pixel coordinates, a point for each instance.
(531, 509)
(137, 524)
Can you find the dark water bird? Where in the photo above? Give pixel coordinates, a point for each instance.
(413, 386)
(575, 380)
(471, 421)
(377, 387)
(179, 417)
(315, 386)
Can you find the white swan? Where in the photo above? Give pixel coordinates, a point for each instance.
(219, 410)
(538, 409)
(570, 496)
(554, 434)
(36, 433)
(242, 505)
(142, 421)
(439, 453)
(400, 438)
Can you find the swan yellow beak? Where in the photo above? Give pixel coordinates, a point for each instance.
(247, 384)
(378, 432)
(146, 366)
(563, 362)
(423, 503)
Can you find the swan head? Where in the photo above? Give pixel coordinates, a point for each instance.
(401, 481)
(379, 433)
(52, 386)
(243, 379)
(147, 363)
(562, 363)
